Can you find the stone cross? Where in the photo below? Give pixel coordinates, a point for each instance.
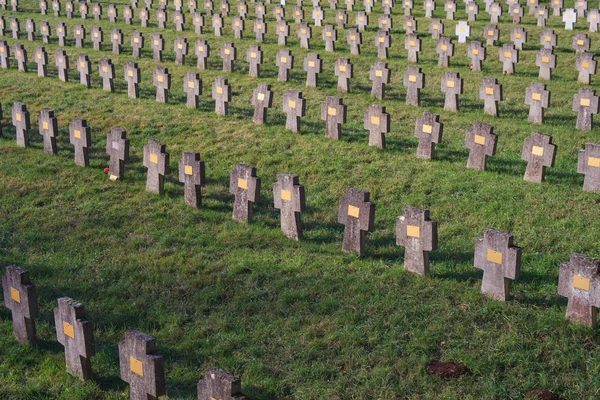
(495, 12)
(254, 56)
(382, 41)
(45, 30)
(539, 152)
(43, 7)
(362, 20)
(410, 24)
(245, 186)
(581, 43)
(490, 91)
(41, 59)
(585, 103)
(500, 262)
(128, 14)
(285, 62)
(191, 174)
(137, 43)
(516, 12)
(117, 148)
(445, 50)
(97, 37)
(569, 18)
(181, 49)
(259, 10)
(557, 6)
(21, 56)
(220, 385)
(418, 235)
(74, 331)
(317, 15)
(429, 130)
(304, 34)
(379, 75)
(156, 160)
(430, 7)
(313, 66)
(414, 81)
(329, 37)
(4, 53)
(278, 12)
(533, 5)
(228, 54)
(56, 7)
(84, 66)
(158, 45)
(97, 11)
(538, 98)
(436, 28)
(586, 65)
(161, 18)
(472, 10)
(161, 79)
(202, 52)
(412, 44)
(463, 31)
(343, 69)
(491, 34)
(69, 8)
(83, 10)
(288, 196)
(30, 29)
(384, 22)
(133, 78)
(357, 213)
(509, 56)
(541, 14)
(48, 128)
(477, 54)
(589, 165)
(282, 31)
(546, 60)
(221, 93)
(225, 8)
(262, 100)
(116, 38)
(579, 281)
(22, 124)
(298, 14)
(79, 34)
(237, 25)
(354, 40)
(192, 86)
(341, 18)
(217, 23)
(387, 6)
(61, 33)
(581, 6)
(450, 8)
(593, 19)
(113, 13)
(377, 122)
(242, 9)
(21, 299)
(548, 39)
(107, 73)
(452, 86)
(179, 21)
(198, 22)
(141, 367)
(481, 140)
(333, 112)
(294, 106)
(518, 36)
(80, 137)
(260, 29)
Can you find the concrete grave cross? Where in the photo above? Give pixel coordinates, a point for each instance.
(516, 12)
(217, 23)
(202, 53)
(137, 43)
(84, 66)
(4, 53)
(588, 164)
(383, 41)
(491, 34)
(313, 66)
(385, 23)
(83, 10)
(450, 9)
(161, 18)
(341, 18)
(500, 262)
(546, 60)
(343, 69)
(354, 40)
(418, 235)
(304, 34)
(30, 29)
(149, 4)
(21, 56)
(593, 19)
(585, 104)
(144, 16)
(490, 91)
(333, 112)
(317, 15)
(481, 140)
(181, 49)
(21, 299)
(509, 56)
(278, 12)
(22, 124)
(219, 385)
(117, 148)
(541, 13)
(79, 34)
(579, 281)
(285, 62)
(408, 6)
(538, 98)
(414, 81)
(429, 6)
(289, 198)
(191, 174)
(192, 86)
(452, 86)
(477, 54)
(61, 60)
(518, 36)
(242, 9)
(41, 59)
(45, 31)
(228, 55)
(107, 72)
(69, 8)
(254, 57)
(179, 21)
(156, 160)
(161, 79)
(61, 33)
(198, 22)
(260, 29)
(412, 44)
(80, 137)
(56, 7)
(495, 12)
(128, 14)
(259, 10)
(208, 6)
(444, 50)
(349, 5)
(428, 129)
(533, 5)
(245, 186)
(586, 65)
(294, 106)
(377, 122)
(262, 100)
(387, 6)
(463, 31)
(133, 78)
(15, 5)
(97, 11)
(357, 214)
(472, 10)
(282, 31)
(379, 75)
(569, 18)
(141, 367)
(539, 152)
(113, 13)
(548, 39)
(362, 20)
(74, 331)
(134, 3)
(221, 93)
(581, 43)
(97, 37)
(48, 128)
(237, 25)
(410, 24)
(368, 4)
(116, 38)
(557, 6)
(329, 37)
(581, 7)
(43, 7)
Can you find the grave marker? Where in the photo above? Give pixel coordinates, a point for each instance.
(436, 28)
(80, 137)
(202, 52)
(41, 59)
(463, 30)
(254, 56)
(418, 235)
(237, 24)
(343, 69)
(581, 43)
(107, 73)
(181, 49)
(304, 34)
(44, 29)
(141, 367)
(357, 213)
(481, 140)
(221, 93)
(4, 53)
(585, 103)
(228, 54)
(539, 152)
(547, 62)
(379, 75)
(116, 38)
(589, 165)
(22, 124)
(294, 106)
(21, 299)
(509, 56)
(191, 174)
(445, 50)
(61, 33)
(586, 65)
(79, 34)
(377, 122)
(48, 128)
(61, 60)
(245, 186)
(538, 98)
(579, 281)
(133, 78)
(21, 56)
(161, 79)
(382, 42)
(84, 66)
(490, 91)
(429, 130)
(260, 29)
(283, 31)
(313, 66)
(285, 62)
(30, 29)
(452, 86)
(333, 112)
(156, 160)
(329, 37)
(354, 40)
(262, 100)
(569, 18)
(137, 43)
(476, 53)
(412, 44)
(97, 37)
(218, 384)
(414, 81)
(289, 198)
(192, 86)
(117, 148)
(518, 36)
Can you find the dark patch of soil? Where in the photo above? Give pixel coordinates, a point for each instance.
(447, 370)
(542, 394)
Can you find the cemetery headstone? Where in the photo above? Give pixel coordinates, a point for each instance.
(181, 49)
(452, 86)
(21, 56)
(518, 36)
(117, 40)
(313, 66)
(538, 98)
(383, 41)
(254, 57)
(481, 140)
(218, 384)
(490, 91)
(412, 44)
(161, 79)
(294, 106)
(414, 81)
(245, 186)
(463, 30)
(191, 174)
(192, 86)
(357, 214)
(586, 65)
(117, 148)
(84, 66)
(418, 235)
(41, 59)
(579, 281)
(581, 43)
(61, 60)
(333, 112)
(539, 152)
(436, 28)
(428, 129)
(546, 60)
(262, 100)
(285, 62)
(137, 43)
(80, 137)
(133, 78)
(354, 40)
(283, 31)
(48, 128)
(289, 198)
(221, 93)
(379, 75)
(569, 18)
(107, 73)
(228, 55)
(377, 122)
(329, 37)
(445, 50)
(97, 38)
(509, 56)
(343, 69)
(21, 299)
(156, 160)
(588, 164)
(202, 53)
(22, 123)
(585, 104)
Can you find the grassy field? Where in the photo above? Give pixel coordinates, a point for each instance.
(298, 319)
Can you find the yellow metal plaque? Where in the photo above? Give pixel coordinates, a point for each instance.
(77, 134)
(104, 69)
(581, 283)
(311, 64)
(352, 37)
(450, 84)
(507, 54)
(15, 295)
(242, 183)
(545, 59)
(537, 151)
(379, 73)
(130, 73)
(489, 90)
(548, 38)
(413, 231)
(412, 43)
(584, 102)
(475, 52)
(219, 90)
(328, 34)
(153, 158)
(375, 120)
(536, 96)
(136, 366)
(444, 47)
(159, 78)
(226, 52)
(517, 36)
(188, 170)
(286, 195)
(381, 40)
(479, 139)
(353, 211)
(494, 256)
(291, 104)
(490, 33)
(179, 46)
(191, 84)
(283, 60)
(44, 125)
(342, 68)
(18, 117)
(412, 78)
(68, 330)
(594, 162)
(260, 96)
(585, 64)
(332, 111)
(427, 128)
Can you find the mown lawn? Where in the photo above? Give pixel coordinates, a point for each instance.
(298, 319)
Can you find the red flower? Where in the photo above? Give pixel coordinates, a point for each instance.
(505, 71)
(106, 170)
(470, 65)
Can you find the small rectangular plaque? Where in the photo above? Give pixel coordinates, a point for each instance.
(45, 125)
(68, 330)
(379, 73)
(77, 133)
(581, 283)
(136, 366)
(494, 256)
(537, 151)
(342, 68)
(15, 295)
(291, 104)
(191, 84)
(332, 111)
(153, 158)
(286, 195)
(260, 96)
(594, 162)
(536, 96)
(489, 90)
(479, 139)
(353, 211)
(584, 102)
(427, 128)
(412, 78)
(242, 183)
(450, 84)
(188, 170)
(413, 231)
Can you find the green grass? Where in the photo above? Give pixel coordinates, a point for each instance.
(298, 319)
